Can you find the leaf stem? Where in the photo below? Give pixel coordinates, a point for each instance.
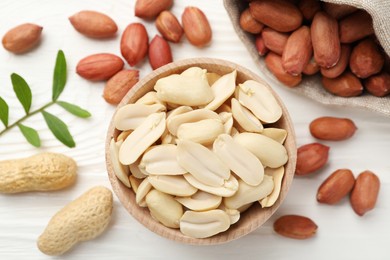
(27, 116)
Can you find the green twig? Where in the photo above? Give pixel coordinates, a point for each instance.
(27, 116)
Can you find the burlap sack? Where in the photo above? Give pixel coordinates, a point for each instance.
(311, 86)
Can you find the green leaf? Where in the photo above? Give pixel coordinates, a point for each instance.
(22, 91)
(30, 134)
(73, 109)
(59, 78)
(59, 129)
(4, 112)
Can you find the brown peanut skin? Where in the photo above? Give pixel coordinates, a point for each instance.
(337, 10)
(311, 157)
(119, 84)
(378, 85)
(280, 15)
(94, 24)
(365, 192)
(22, 38)
(101, 66)
(274, 63)
(341, 65)
(134, 43)
(249, 24)
(295, 226)
(332, 128)
(298, 51)
(309, 8)
(355, 27)
(345, 85)
(196, 26)
(260, 46)
(149, 9)
(325, 40)
(366, 59)
(160, 52)
(274, 40)
(169, 27)
(338, 185)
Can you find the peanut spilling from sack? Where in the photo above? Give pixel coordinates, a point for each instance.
(310, 37)
(181, 148)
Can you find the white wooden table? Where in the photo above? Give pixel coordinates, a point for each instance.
(341, 234)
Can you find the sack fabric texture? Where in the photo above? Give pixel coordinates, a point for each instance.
(311, 86)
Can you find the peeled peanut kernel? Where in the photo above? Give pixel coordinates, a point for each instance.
(248, 193)
(227, 120)
(167, 138)
(241, 161)
(212, 77)
(224, 108)
(121, 172)
(245, 207)
(161, 160)
(222, 89)
(200, 201)
(228, 188)
(203, 132)
(233, 214)
(136, 171)
(234, 132)
(172, 184)
(204, 224)
(164, 208)
(245, 118)
(194, 72)
(123, 135)
(129, 117)
(177, 111)
(143, 136)
(184, 89)
(171, 106)
(258, 98)
(142, 191)
(277, 134)
(150, 98)
(135, 182)
(270, 152)
(225, 116)
(277, 175)
(202, 163)
(189, 117)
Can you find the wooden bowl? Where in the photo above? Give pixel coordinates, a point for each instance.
(251, 219)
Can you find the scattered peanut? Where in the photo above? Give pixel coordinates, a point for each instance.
(22, 38)
(365, 192)
(311, 157)
(294, 226)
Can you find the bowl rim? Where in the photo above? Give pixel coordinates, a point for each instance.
(173, 234)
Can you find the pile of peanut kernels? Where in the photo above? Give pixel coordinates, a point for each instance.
(311, 37)
(181, 150)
